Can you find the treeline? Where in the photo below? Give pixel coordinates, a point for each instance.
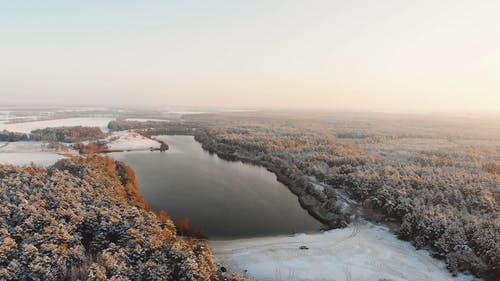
(13, 136)
(445, 198)
(91, 148)
(492, 168)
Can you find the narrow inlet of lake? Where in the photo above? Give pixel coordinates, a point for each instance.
(226, 199)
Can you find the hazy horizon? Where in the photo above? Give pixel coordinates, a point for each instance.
(383, 56)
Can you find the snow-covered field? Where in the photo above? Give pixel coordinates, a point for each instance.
(23, 147)
(25, 153)
(27, 158)
(27, 127)
(364, 252)
(125, 140)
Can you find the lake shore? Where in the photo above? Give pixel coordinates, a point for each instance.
(363, 252)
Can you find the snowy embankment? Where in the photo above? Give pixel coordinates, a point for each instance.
(362, 252)
(27, 127)
(126, 140)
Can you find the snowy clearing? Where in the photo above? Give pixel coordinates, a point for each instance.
(364, 252)
(125, 140)
(37, 158)
(27, 152)
(27, 127)
(23, 147)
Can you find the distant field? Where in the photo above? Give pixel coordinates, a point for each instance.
(27, 127)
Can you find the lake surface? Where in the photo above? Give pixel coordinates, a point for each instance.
(227, 199)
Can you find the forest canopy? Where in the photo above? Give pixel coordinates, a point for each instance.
(84, 219)
(439, 183)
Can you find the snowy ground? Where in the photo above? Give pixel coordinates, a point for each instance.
(125, 140)
(23, 147)
(26, 153)
(28, 158)
(364, 252)
(27, 127)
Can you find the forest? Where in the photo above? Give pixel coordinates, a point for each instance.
(84, 219)
(440, 185)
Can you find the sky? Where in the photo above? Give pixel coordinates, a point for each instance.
(398, 56)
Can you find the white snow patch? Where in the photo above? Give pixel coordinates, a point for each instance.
(125, 140)
(367, 252)
(318, 188)
(27, 127)
(343, 205)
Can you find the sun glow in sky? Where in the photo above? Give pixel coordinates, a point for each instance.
(419, 56)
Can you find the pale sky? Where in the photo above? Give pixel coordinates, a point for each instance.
(401, 56)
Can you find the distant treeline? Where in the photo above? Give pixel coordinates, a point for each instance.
(154, 128)
(59, 134)
(67, 134)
